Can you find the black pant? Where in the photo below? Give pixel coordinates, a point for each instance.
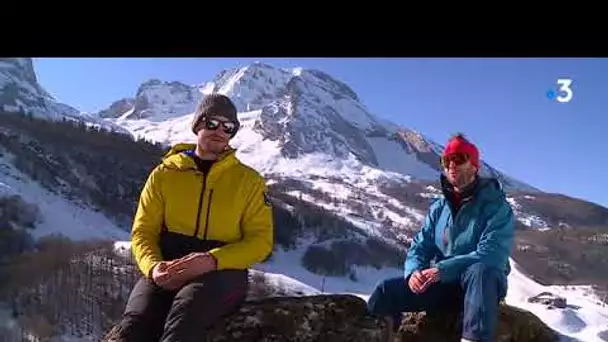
(154, 314)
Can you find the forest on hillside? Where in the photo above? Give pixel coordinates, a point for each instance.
(106, 169)
(61, 286)
(79, 289)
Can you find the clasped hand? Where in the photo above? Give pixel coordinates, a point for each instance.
(421, 280)
(173, 274)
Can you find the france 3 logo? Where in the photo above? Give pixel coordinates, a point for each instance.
(563, 92)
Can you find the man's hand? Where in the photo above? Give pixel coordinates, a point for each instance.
(416, 281)
(421, 280)
(431, 276)
(162, 276)
(192, 265)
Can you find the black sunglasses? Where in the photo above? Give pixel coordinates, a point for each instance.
(457, 158)
(229, 127)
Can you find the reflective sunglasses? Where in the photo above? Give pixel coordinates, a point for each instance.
(212, 124)
(457, 158)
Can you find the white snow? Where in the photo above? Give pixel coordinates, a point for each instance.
(165, 100)
(584, 318)
(289, 285)
(392, 157)
(251, 87)
(529, 220)
(289, 264)
(58, 215)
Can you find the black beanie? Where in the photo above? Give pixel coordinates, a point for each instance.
(214, 105)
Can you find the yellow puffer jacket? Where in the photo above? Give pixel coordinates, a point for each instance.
(231, 207)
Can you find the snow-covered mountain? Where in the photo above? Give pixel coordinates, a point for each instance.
(343, 180)
(20, 90)
(304, 124)
(293, 118)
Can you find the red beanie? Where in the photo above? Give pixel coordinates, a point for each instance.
(459, 144)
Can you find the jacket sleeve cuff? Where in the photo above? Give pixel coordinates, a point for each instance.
(215, 263)
(150, 268)
(215, 254)
(444, 272)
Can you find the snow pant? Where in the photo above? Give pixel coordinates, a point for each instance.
(477, 292)
(154, 314)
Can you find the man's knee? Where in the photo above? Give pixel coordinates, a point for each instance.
(144, 314)
(212, 296)
(480, 270)
(201, 303)
(487, 278)
(382, 299)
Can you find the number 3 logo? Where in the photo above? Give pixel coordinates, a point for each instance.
(566, 91)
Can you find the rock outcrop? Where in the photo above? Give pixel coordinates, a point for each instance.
(550, 300)
(514, 325)
(338, 318)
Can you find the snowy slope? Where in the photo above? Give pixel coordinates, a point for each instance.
(585, 318)
(406, 163)
(157, 100)
(58, 215)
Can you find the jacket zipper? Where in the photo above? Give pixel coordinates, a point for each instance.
(200, 204)
(208, 212)
(454, 221)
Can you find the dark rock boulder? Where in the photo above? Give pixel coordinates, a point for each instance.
(344, 318)
(514, 325)
(313, 318)
(298, 319)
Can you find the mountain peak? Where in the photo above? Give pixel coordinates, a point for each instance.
(20, 91)
(20, 68)
(175, 86)
(155, 100)
(255, 85)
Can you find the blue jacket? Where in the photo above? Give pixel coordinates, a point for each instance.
(482, 231)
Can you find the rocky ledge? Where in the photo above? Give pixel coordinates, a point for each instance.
(337, 318)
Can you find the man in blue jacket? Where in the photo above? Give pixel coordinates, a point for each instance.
(461, 254)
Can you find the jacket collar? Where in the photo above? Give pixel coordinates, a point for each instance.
(484, 189)
(465, 195)
(178, 158)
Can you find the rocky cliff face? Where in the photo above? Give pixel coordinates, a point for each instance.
(20, 91)
(118, 108)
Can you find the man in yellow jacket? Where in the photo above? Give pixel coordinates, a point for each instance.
(203, 219)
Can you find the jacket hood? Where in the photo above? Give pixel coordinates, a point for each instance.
(178, 158)
(485, 189)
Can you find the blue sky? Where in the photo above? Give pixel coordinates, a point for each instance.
(501, 104)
